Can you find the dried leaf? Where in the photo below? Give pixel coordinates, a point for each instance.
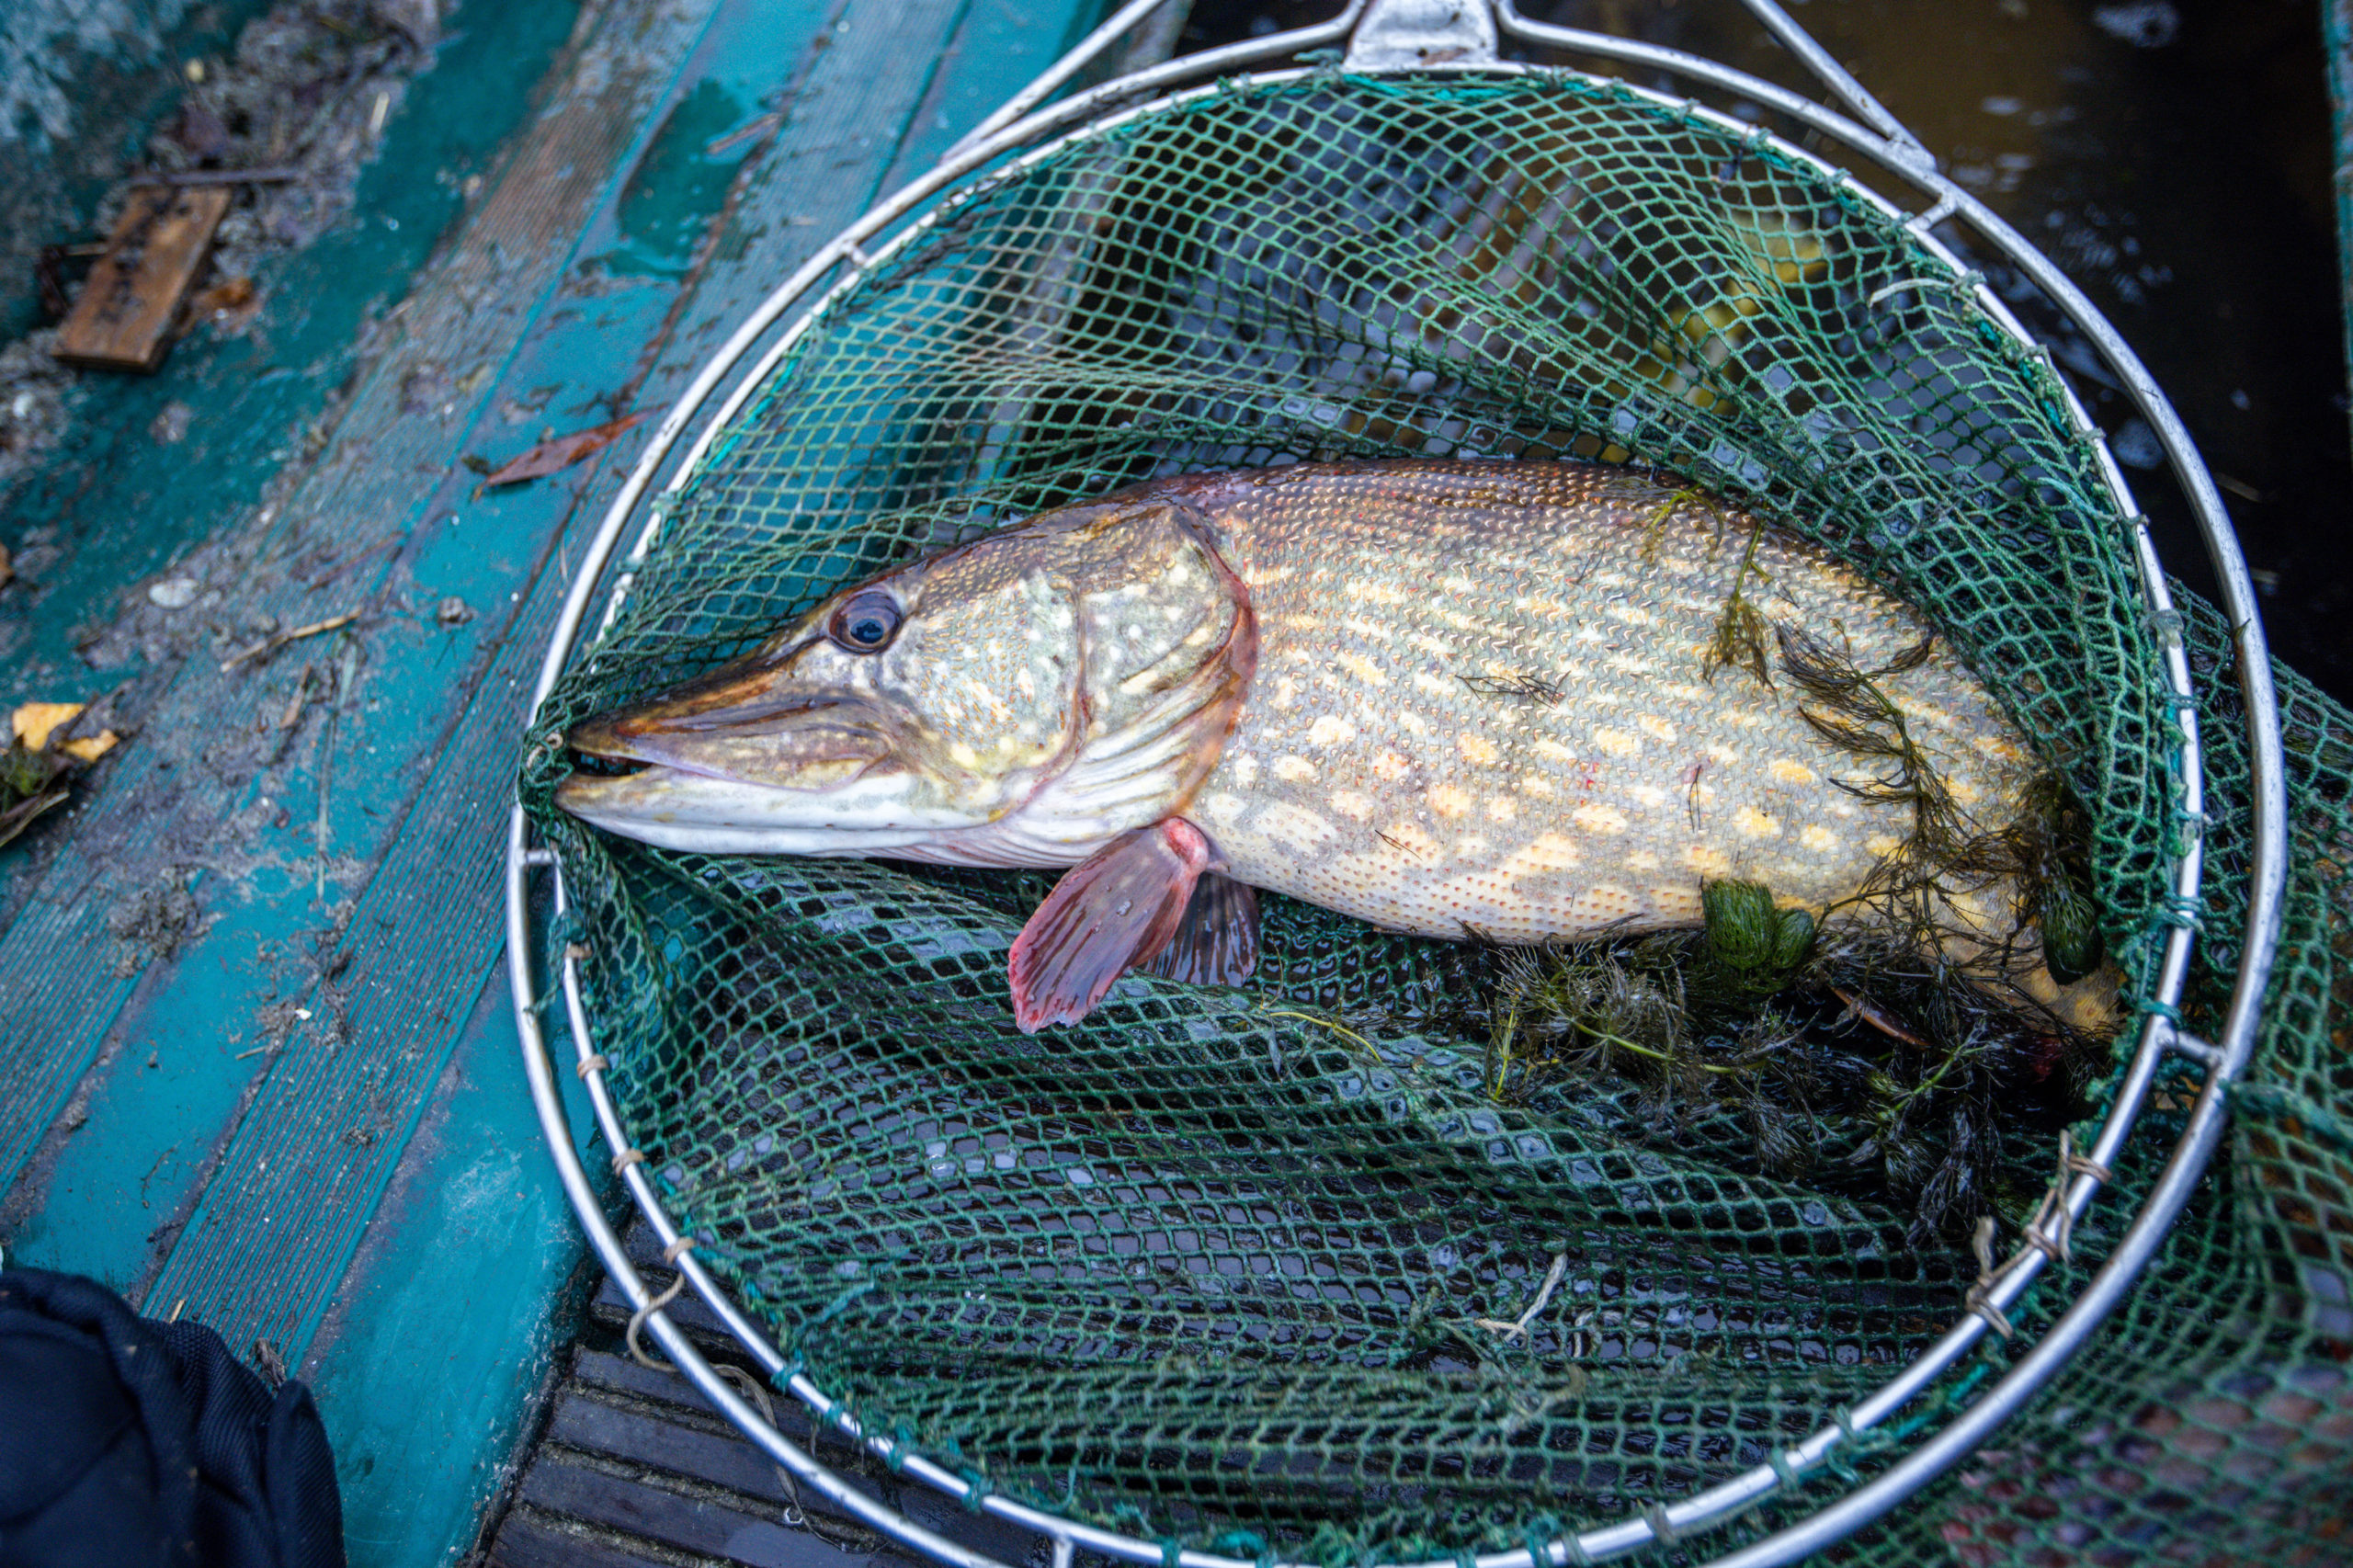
(562, 451)
(33, 723)
(89, 748)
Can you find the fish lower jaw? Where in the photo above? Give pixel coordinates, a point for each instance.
(699, 813)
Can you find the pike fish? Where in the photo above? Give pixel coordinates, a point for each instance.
(1510, 701)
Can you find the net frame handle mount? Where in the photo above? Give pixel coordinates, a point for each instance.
(1462, 35)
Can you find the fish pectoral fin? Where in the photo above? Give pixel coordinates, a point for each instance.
(1110, 913)
(1216, 942)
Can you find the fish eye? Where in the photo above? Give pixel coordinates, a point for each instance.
(866, 624)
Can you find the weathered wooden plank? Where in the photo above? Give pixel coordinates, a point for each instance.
(223, 814)
(696, 1524)
(358, 852)
(123, 320)
(727, 1459)
(623, 1376)
(276, 1223)
(530, 1540)
(440, 1338)
(675, 1404)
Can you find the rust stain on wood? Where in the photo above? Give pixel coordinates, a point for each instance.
(123, 320)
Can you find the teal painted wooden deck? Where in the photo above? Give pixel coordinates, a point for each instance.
(256, 1064)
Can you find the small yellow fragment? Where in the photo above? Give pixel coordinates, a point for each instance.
(34, 721)
(89, 748)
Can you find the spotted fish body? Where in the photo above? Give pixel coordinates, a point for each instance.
(1454, 700)
(1483, 702)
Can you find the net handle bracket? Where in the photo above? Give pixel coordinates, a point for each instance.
(1400, 35)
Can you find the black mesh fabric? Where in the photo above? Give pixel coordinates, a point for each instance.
(127, 1441)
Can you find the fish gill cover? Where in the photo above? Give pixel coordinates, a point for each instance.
(1340, 1266)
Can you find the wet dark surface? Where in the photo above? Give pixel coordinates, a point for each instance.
(2173, 157)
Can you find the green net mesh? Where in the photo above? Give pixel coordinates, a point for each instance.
(1211, 1269)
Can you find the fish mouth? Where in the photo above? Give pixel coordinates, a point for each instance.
(737, 761)
(804, 746)
(744, 727)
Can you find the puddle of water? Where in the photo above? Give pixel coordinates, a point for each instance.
(679, 186)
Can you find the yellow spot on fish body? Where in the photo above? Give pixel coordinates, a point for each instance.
(1545, 852)
(1330, 729)
(1673, 903)
(1286, 692)
(1389, 766)
(1656, 728)
(1349, 803)
(1363, 627)
(1819, 839)
(1535, 784)
(1447, 800)
(1556, 751)
(1596, 818)
(1642, 860)
(1501, 809)
(1883, 843)
(964, 756)
(1477, 748)
(1221, 806)
(1784, 771)
(1293, 824)
(1293, 768)
(1756, 823)
(1708, 860)
(1372, 590)
(1648, 795)
(1724, 757)
(1617, 742)
(1364, 669)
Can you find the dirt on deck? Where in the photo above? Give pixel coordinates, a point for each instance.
(287, 121)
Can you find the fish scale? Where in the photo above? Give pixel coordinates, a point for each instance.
(1483, 703)
(1459, 700)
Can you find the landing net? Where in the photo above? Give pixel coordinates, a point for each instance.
(1232, 1269)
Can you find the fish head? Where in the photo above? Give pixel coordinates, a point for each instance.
(1018, 700)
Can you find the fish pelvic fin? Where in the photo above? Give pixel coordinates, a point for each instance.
(1216, 942)
(1147, 892)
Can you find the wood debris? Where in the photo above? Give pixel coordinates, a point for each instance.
(276, 639)
(123, 320)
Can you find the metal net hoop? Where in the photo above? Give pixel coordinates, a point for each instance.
(927, 427)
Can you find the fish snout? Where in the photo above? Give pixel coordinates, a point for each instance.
(747, 727)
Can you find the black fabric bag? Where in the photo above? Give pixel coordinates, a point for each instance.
(127, 1441)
